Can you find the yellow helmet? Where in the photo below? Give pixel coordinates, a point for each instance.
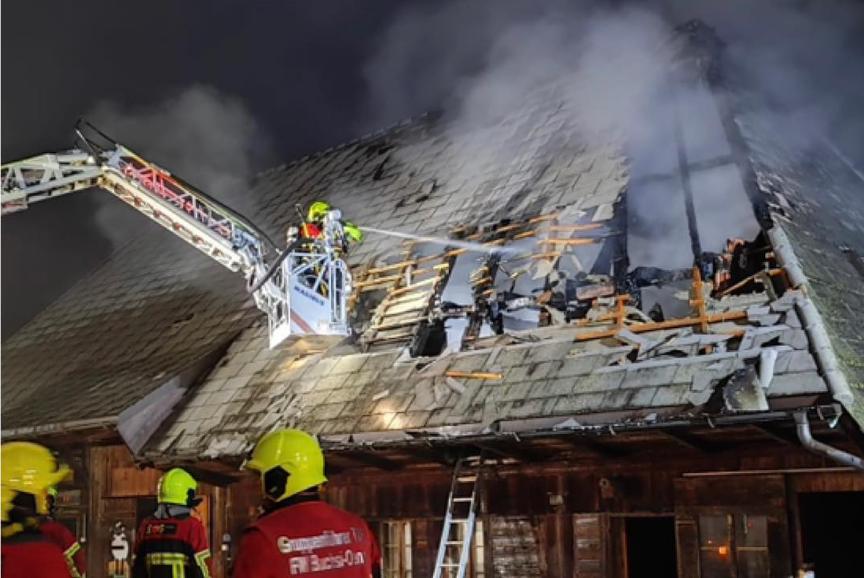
(317, 210)
(28, 468)
(353, 232)
(178, 487)
(289, 462)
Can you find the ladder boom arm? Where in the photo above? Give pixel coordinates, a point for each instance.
(305, 290)
(190, 214)
(45, 177)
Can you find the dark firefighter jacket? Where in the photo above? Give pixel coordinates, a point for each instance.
(171, 547)
(308, 538)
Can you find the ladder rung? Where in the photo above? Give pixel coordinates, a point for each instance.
(455, 543)
(459, 520)
(463, 499)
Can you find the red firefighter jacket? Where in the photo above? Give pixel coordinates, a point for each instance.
(59, 534)
(173, 547)
(30, 555)
(310, 538)
(310, 230)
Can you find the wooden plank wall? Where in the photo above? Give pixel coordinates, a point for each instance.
(550, 506)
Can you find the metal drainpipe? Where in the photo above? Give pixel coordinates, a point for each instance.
(802, 425)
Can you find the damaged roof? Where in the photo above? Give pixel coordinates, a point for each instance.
(157, 307)
(817, 200)
(584, 357)
(571, 383)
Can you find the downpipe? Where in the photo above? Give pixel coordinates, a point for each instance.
(805, 436)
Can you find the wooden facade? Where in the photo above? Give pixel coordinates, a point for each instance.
(731, 514)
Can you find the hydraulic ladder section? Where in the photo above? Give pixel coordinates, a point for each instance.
(303, 291)
(185, 211)
(454, 551)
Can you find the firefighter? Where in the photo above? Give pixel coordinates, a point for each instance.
(171, 543)
(28, 470)
(313, 228)
(59, 534)
(353, 234)
(298, 533)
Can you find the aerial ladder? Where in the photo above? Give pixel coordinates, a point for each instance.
(302, 288)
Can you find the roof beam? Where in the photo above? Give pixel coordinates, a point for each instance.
(777, 434)
(373, 460)
(598, 448)
(510, 451)
(211, 477)
(689, 441)
(439, 456)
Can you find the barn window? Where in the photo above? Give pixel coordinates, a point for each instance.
(396, 549)
(734, 546)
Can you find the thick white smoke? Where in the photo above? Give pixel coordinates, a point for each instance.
(482, 61)
(205, 137)
(208, 138)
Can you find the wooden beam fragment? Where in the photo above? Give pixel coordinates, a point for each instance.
(467, 375)
(671, 324)
(568, 242)
(575, 228)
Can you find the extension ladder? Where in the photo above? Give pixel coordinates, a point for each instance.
(459, 522)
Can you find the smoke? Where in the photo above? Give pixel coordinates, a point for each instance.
(615, 76)
(205, 137)
(803, 60)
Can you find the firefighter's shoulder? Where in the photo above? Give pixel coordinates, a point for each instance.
(57, 533)
(32, 555)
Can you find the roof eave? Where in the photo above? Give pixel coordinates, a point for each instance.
(65, 427)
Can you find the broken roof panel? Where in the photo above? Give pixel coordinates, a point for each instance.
(652, 376)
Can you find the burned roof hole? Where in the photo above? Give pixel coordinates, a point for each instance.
(430, 341)
(183, 320)
(379, 170)
(380, 150)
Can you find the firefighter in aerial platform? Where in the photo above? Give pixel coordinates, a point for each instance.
(322, 223)
(28, 470)
(65, 540)
(171, 543)
(314, 227)
(299, 534)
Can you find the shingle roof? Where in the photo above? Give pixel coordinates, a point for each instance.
(255, 390)
(157, 306)
(818, 201)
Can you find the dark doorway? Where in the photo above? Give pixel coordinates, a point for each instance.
(832, 532)
(144, 508)
(651, 548)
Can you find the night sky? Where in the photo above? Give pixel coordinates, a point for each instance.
(298, 67)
